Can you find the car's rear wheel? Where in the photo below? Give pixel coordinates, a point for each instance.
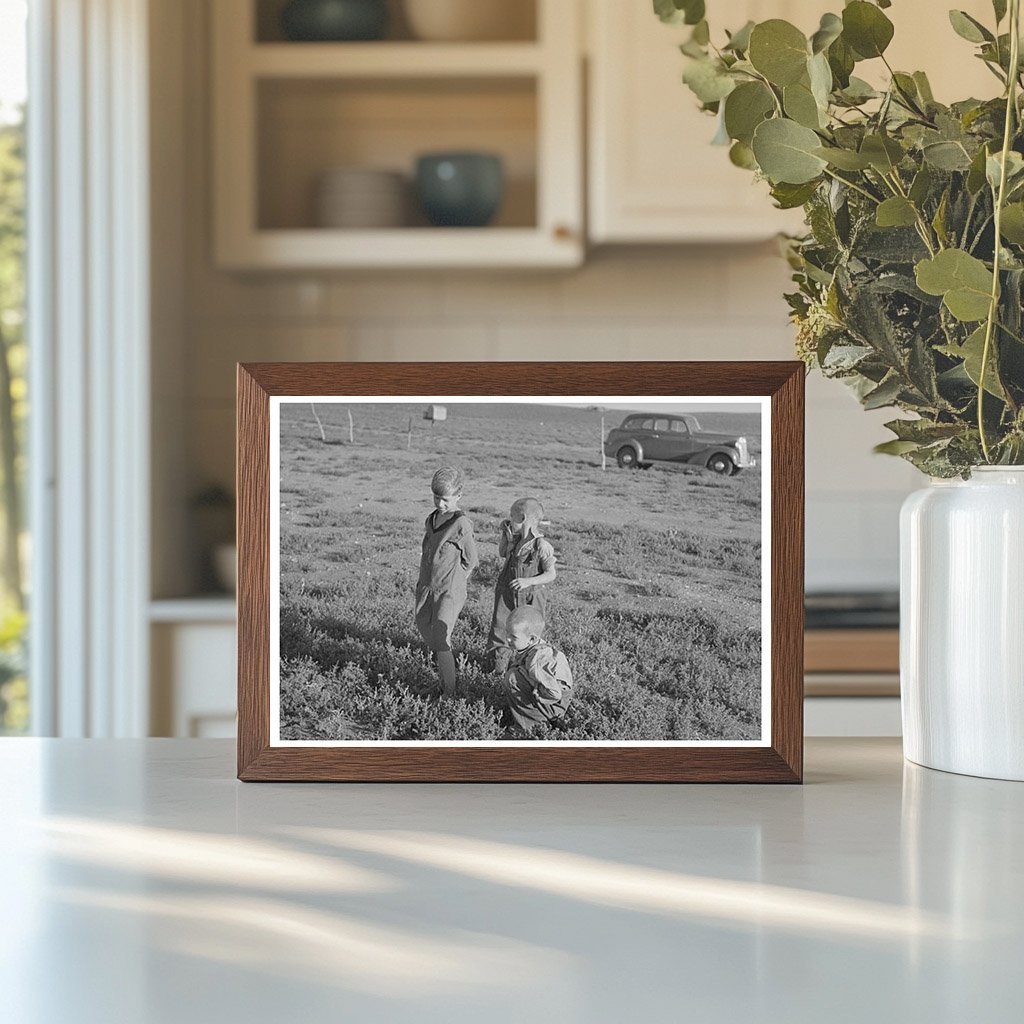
(627, 458)
(721, 464)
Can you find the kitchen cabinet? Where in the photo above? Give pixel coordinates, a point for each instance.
(653, 175)
(193, 654)
(287, 113)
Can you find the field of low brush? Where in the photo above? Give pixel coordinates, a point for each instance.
(657, 603)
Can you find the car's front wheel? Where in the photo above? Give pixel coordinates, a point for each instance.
(722, 464)
(627, 458)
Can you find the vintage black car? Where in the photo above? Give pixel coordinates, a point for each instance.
(644, 439)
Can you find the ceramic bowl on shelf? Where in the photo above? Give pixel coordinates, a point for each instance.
(334, 21)
(460, 189)
(361, 198)
(471, 20)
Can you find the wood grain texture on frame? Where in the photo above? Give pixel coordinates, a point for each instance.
(782, 761)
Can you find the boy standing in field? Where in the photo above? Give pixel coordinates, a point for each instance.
(529, 566)
(447, 559)
(539, 680)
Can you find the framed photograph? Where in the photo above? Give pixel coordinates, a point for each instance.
(515, 572)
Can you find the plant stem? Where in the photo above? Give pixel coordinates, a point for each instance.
(855, 187)
(993, 309)
(922, 225)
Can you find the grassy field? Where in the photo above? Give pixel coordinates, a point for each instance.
(657, 602)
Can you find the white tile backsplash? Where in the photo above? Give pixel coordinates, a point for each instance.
(715, 303)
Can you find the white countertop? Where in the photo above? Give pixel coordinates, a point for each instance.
(143, 885)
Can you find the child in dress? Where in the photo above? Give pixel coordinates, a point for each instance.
(447, 559)
(539, 681)
(529, 566)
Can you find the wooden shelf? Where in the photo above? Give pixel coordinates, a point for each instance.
(401, 247)
(393, 60)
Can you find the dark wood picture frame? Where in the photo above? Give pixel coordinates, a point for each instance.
(781, 761)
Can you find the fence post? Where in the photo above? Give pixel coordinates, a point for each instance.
(351, 435)
(604, 460)
(408, 443)
(323, 436)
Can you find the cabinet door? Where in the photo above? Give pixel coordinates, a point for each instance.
(653, 174)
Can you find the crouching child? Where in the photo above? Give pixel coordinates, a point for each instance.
(538, 680)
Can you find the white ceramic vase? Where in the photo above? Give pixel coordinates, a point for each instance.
(962, 624)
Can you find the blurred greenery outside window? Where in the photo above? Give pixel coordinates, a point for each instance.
(14, 692)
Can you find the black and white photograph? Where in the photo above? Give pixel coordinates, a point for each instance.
(457, 570)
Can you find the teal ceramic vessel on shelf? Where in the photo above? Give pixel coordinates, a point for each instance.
(332, 21)
(461, 190)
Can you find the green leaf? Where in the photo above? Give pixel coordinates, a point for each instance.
(895, 447)
(785, 152)
(969, 28)
(971, 352)
(946, 156)
(858, 91)
(906, 89)
(963, 281)
(778, 50)
(924, 88)
(789, 197)
(741, 155)
(1012, 223)
(676, 12)
(800, 105)
(939, 220)
(745, 108)
(999, 7)
(994, 167)
(820, 76)
(701, 33)
(883, 153)
(896, 212)
(829, 30)
(708, 80)
(739, 41)
(844, 159)
(866, 29)
(923, 431)
(976, 174)
(884, 395)
(841, 60)
(921, 185)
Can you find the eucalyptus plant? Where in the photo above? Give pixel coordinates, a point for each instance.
(910, 278)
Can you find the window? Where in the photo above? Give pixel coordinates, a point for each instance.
(679, 427)
(14, 706)
(661, 424)
(646, 425)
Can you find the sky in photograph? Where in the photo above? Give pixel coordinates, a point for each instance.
(750, 405)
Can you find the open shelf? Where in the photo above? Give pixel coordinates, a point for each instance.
(393, 60)
(286, 114)
(308, 127)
